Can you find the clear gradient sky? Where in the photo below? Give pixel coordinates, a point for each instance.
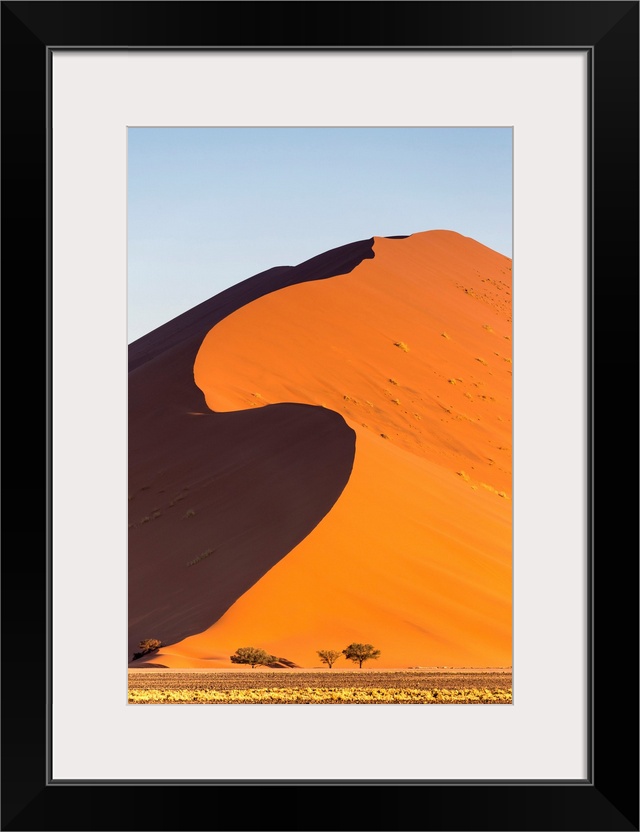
(209, 207)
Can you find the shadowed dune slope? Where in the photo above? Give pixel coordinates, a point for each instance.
(413, 350)
(215, 500)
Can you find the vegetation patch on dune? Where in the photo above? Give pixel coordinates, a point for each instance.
(201, 557)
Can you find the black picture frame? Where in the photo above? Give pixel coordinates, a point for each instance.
(608, 798)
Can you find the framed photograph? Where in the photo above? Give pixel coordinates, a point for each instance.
(80, 79)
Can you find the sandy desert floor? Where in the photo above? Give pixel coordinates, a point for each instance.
(263, 685)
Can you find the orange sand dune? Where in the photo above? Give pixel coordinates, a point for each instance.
(412, 348)
(216, 499)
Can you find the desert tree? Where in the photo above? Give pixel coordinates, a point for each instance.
(147, 645)
(252, 655)
(328, 656)
(361, 652)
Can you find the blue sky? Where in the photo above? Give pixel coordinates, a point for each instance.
(209, 207)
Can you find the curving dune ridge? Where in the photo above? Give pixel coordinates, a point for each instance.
(410, 547)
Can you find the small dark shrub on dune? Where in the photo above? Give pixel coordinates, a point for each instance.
(252, 655)
(147, 645)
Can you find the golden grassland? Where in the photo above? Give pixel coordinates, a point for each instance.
(320, 687)
(327, 696)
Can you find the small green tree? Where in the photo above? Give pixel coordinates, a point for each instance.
(147, 645)
(361, 652)
(328, 656)
(252, 655)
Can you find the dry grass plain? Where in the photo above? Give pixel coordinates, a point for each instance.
(321, 686)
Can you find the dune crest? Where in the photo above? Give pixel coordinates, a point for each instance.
(413, 349)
